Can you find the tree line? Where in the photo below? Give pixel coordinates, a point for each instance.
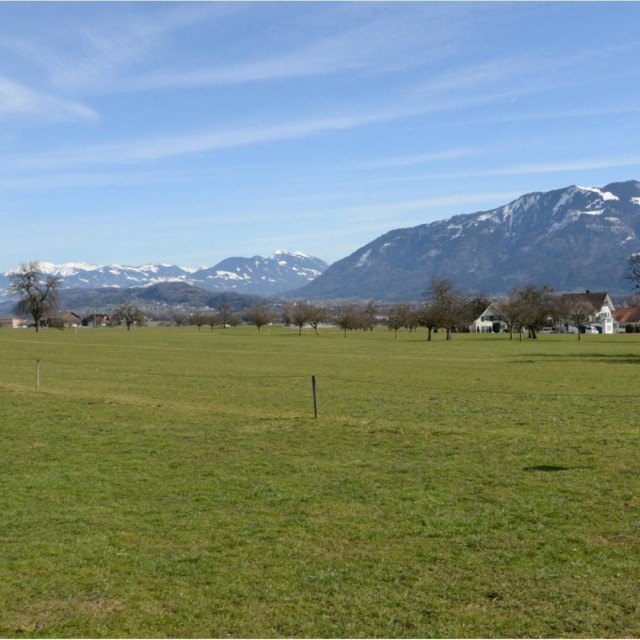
(444, 307)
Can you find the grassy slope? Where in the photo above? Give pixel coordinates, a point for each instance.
(173, 482)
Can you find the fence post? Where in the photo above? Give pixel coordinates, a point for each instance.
(315, 396)
(37, 375)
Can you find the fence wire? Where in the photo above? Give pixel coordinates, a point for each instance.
(290, 395)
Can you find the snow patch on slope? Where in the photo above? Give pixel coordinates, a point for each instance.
(364, 259)
(605, 195)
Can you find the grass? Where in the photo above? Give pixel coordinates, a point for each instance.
(174, 483)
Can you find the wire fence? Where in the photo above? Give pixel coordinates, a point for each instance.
(304, 395)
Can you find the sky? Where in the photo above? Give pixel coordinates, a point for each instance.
(188, 132)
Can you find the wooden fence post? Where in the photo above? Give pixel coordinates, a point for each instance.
(315, 396)
(37, 375)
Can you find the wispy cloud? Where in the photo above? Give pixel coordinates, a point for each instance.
(102, 47)
(529, 169)
(571, 165)
(161, 148)
(420, 158)
(518, 75)
(542, 115)
(374, 42)
(19, 100)
(87, 179)
(542, 168)
(383, 210)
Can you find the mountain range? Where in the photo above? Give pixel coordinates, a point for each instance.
(282, 271)
(570, 239)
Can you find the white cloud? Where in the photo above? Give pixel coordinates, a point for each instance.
(549, 167)
(514, 76)
(19, 100)
(161, 148)
(421, 158)
(384, 209)
(86, 179)
(107, 41)
(381, 41)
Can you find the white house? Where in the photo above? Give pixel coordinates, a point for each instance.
(600, 302)
(490, 321)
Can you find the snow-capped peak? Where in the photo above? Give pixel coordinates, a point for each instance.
(605, 195)
(283, 252)
(68, 268)
(263, 276)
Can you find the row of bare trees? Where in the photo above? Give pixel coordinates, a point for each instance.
(526, 309)
(223, 316)
(445, 306)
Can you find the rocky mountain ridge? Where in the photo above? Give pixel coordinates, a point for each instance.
(570, 239)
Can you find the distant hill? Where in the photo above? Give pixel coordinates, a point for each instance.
(169, 294)
(571, 239)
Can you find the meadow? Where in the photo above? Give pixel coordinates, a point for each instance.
(174, 482)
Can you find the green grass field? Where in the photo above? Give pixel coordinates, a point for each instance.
(174, 482)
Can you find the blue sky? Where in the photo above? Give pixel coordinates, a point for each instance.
(186, 133)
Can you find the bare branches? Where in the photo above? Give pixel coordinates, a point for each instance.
(38, 294)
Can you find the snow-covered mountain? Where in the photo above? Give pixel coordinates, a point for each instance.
(279, 272)
(570, 239)
(257, 275)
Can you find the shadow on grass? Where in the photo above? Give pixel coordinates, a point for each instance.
(547, 467)
(626, 358)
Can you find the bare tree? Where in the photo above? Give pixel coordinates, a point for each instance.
(633, 270)
(198, 319)
(531, 307)
(347, 318)
(259, 315)
(296, 314)
(427, 318)
(211, 319)
(234, 320)
(399, 316)
(580, 313)
(127, 314)
(38, 294)
(412, 321)
(181, 317)
(369, 316)
(316, 315)
(509, 312)
(224, 313)
(448, 306)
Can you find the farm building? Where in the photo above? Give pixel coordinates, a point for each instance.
(95, 320)
(11, 323)
(627, 317)
(63, 319)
